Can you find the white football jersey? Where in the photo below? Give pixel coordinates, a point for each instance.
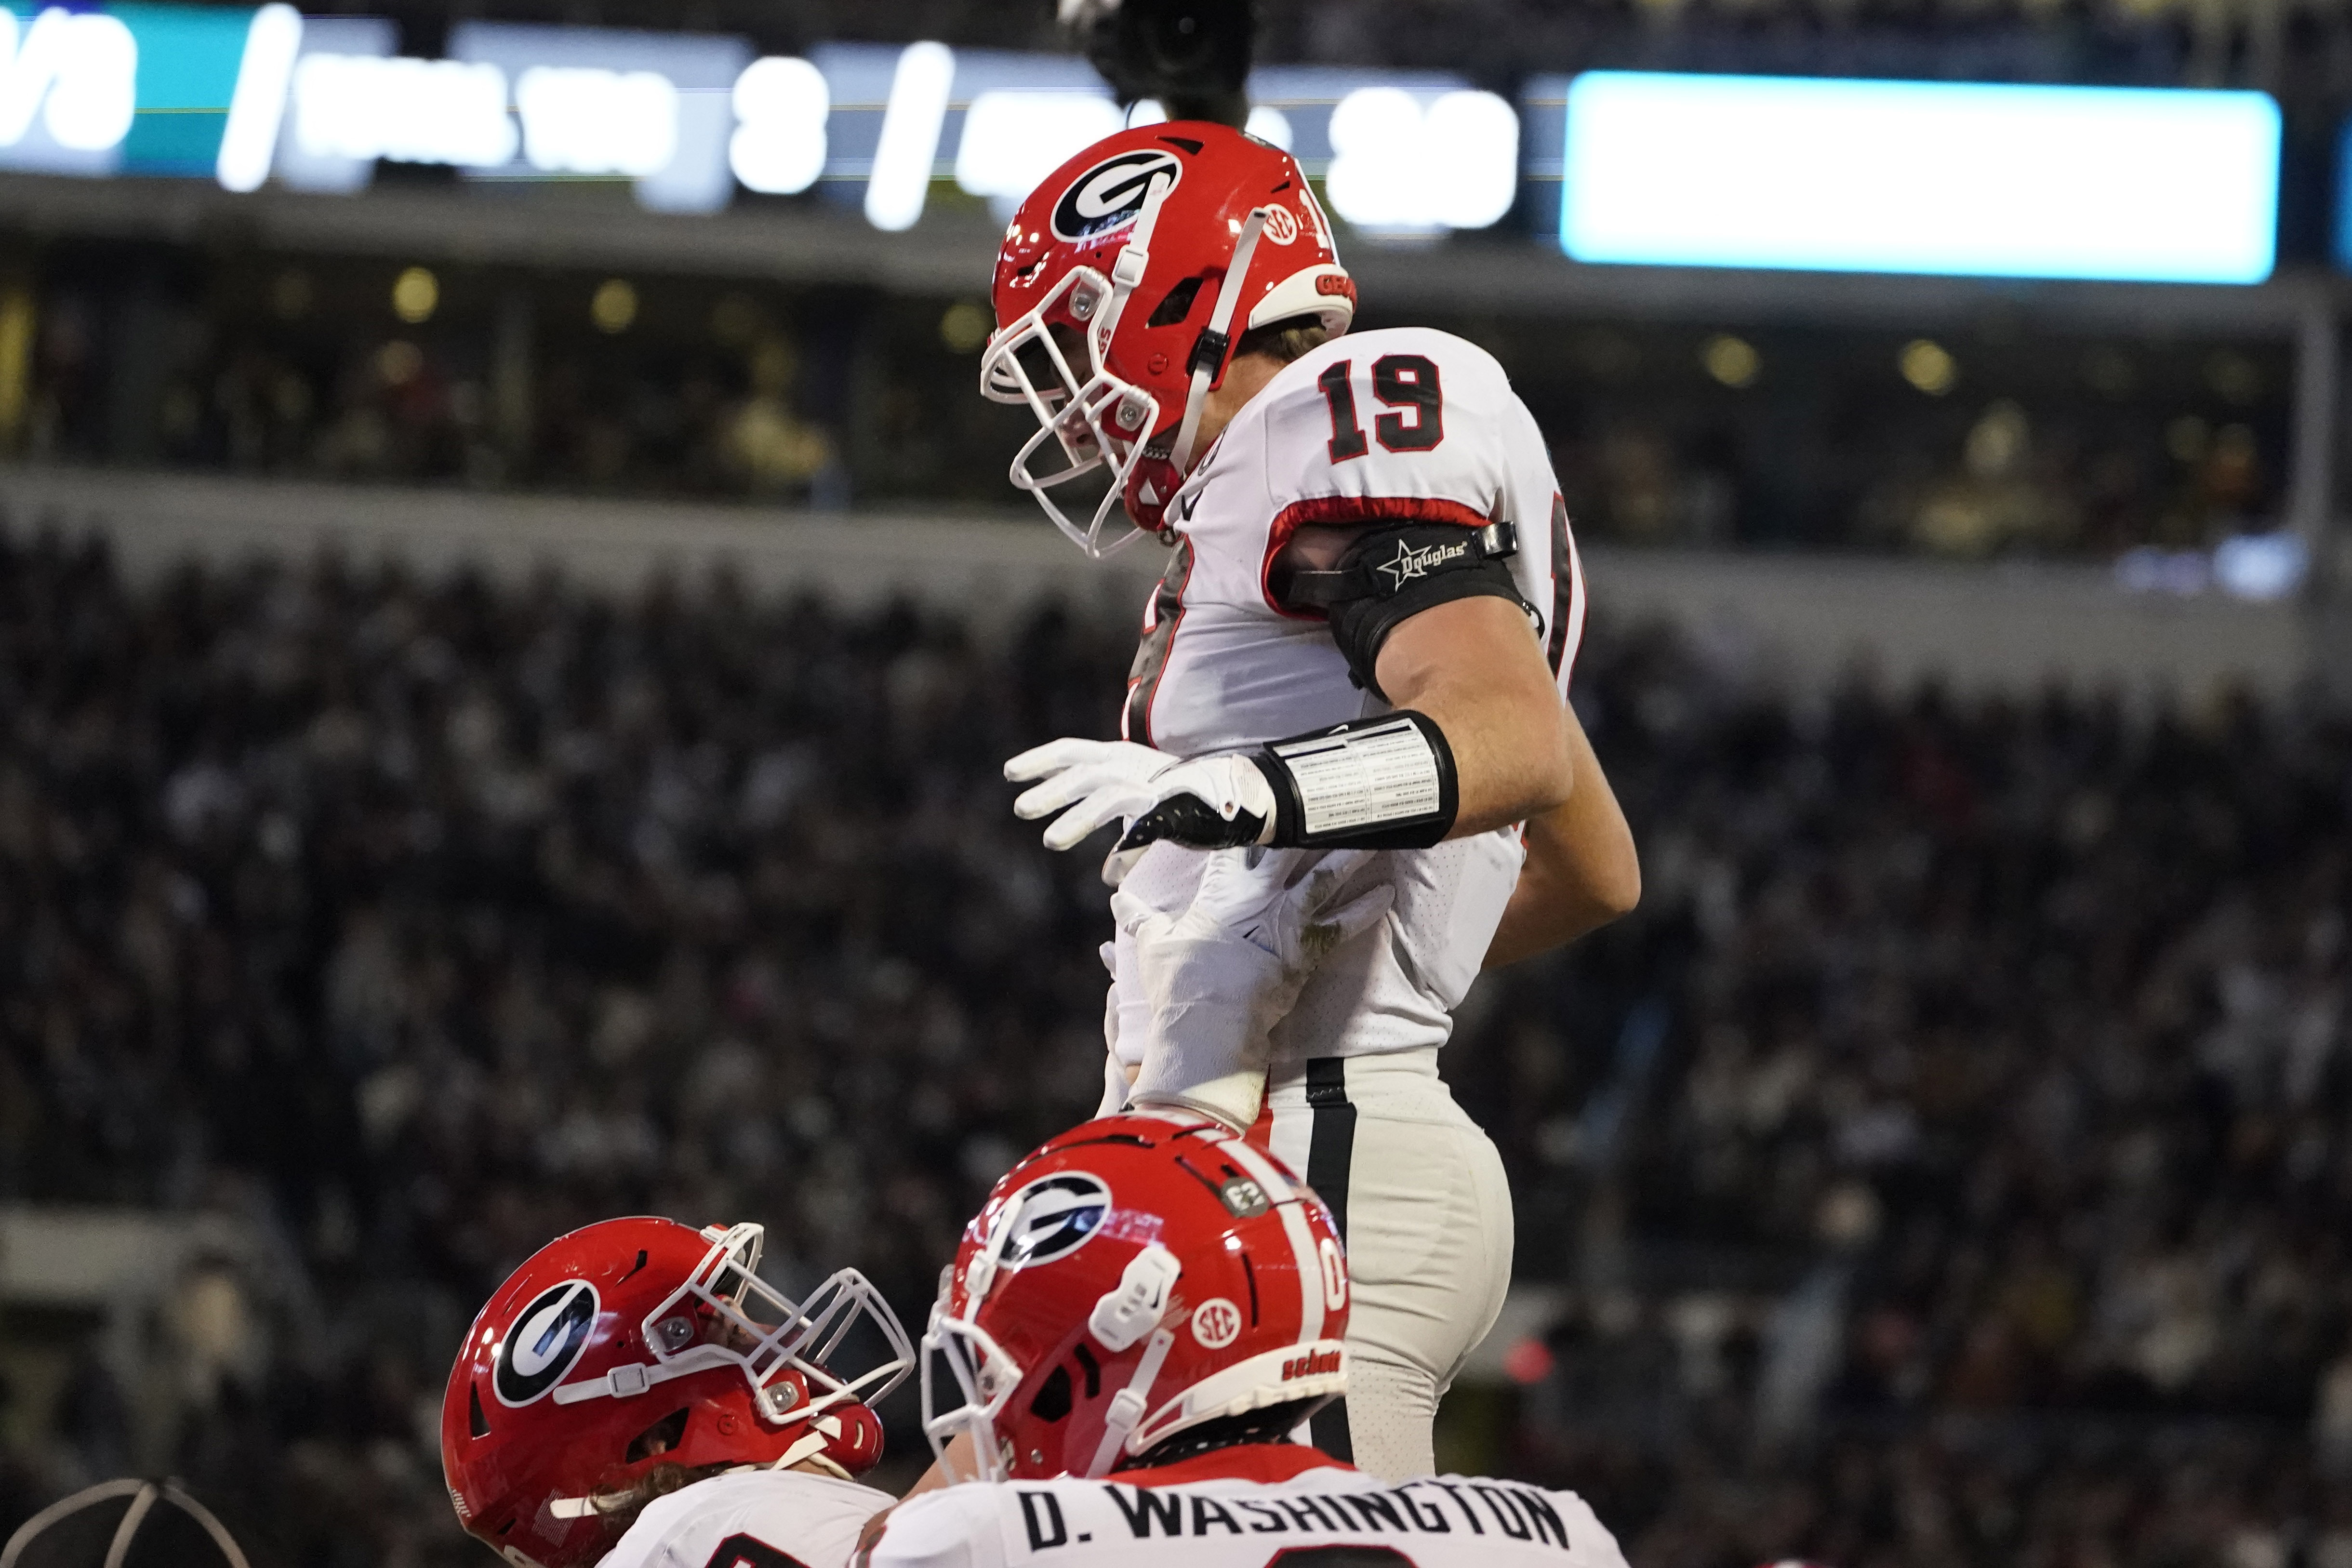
(1397, 424)
(751, 1519)
(1327, 1517)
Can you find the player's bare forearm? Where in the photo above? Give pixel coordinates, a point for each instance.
(1475, 667)
(1583, 870)
(1477, 702)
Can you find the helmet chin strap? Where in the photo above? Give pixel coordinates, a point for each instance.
(1134, 260)
(809, 1451)
(1209, 352)
(1128, 1406)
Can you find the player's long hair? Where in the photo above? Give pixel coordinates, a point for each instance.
(619, 1509)
(1285, 340)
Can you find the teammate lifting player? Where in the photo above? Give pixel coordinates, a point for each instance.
(1135, 1322)
(1144, 1309)
(1363, 641)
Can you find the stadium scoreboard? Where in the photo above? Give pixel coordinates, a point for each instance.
(1615, 167)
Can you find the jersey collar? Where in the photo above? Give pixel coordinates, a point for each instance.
(1270, 1462)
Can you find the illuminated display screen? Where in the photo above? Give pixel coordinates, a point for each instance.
(685, 119)
(1957, 178)
(1707, 171)
(1398, 151)
(994, 121)
(654, 109)
(131, 88)
(2343, 198)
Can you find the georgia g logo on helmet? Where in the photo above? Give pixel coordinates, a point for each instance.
(1110, 195)
(544, 1341)
(1054, 1216)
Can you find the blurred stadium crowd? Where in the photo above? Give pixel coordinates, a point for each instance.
(2001, 442)
(1970, 1152)
(2000, 439)
(1943, 1167)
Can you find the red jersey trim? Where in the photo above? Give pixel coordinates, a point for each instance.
(1339, 512)
(1268, 1462)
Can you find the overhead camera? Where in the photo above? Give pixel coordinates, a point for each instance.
(1193, 56)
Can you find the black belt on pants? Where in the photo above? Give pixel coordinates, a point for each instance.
(1330, 1148)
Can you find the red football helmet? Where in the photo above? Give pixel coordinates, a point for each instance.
(1158, 246)
(1133, 1278)
(635, 1342)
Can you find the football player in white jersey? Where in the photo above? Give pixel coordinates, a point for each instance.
(1362, 640)
(1144, 1309)
(636, 1395)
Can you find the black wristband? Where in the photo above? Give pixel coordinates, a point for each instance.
(1369, 784)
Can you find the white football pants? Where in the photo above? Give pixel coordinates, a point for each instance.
(1421, 1203)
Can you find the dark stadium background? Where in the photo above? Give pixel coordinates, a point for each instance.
(1947, 1165)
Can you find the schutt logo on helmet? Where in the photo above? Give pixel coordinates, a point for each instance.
(1110, 195)
(1314, 1363)
(544, 1343)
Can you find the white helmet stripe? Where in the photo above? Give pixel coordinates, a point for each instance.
(1268, 1175)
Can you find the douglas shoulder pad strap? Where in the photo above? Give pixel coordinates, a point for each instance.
(1390, 573)
(1371, 783)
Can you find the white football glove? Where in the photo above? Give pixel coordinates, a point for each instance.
(1223, 972)
(1207, 803)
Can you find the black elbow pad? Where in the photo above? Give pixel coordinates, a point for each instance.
(1390, 575)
